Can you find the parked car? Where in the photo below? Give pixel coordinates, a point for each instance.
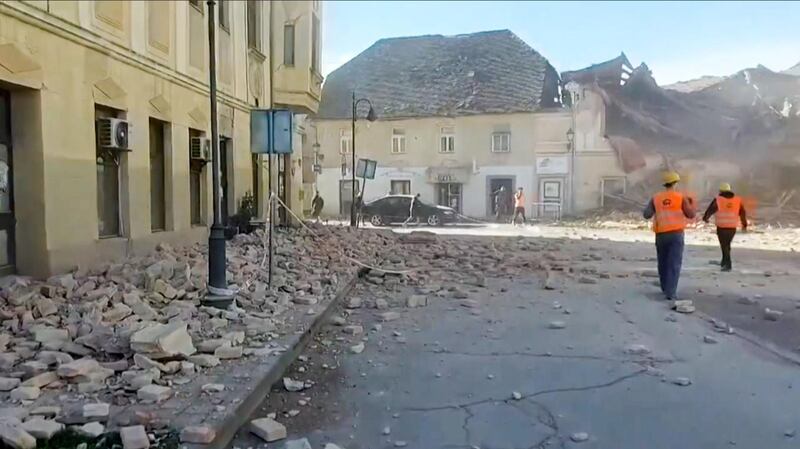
(392, 209)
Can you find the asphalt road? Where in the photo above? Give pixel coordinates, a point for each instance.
(445, 375)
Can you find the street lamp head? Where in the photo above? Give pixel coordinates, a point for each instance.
(371, 115)
(570, 135)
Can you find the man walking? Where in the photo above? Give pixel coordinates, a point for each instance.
(500, 203)
(413, 211)
(669, 210)
(729, 213)
(317, 203)
(519, 206)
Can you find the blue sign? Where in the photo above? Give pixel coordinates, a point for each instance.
(271, 131)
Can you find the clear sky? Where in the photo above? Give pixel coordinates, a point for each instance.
(677, 40)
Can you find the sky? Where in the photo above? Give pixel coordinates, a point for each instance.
(678, 40)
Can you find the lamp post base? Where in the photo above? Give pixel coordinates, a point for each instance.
(217, 301)
(218, 296)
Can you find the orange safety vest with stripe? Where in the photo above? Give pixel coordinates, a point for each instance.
(669, 215)
(519, 199)
(727, 215)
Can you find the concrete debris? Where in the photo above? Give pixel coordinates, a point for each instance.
(579, 437)
(637, 349)
(17, 437)
(400, 443)
(8, 383)
(302, 443)
(293, 385)
(682, 381)
(417, 301)
(388, 316)
(557, 325)
(134, 437)
(163, 340)
(42, 429)
(516, 396)
(353, 303)
(96, 412)
(353, 330)
(331, 446)
(227, 352)
(213, 388)
(358, 348)
(154, 393)
(91, 430)
(25, 393)
(267, 429)
(772, 315)
(387, 430)
(41, 380)
(683, 306)
(197, 435)
(710, 340)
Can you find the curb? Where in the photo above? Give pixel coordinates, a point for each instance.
(240, 415)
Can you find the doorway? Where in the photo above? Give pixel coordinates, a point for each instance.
(346, 195)
(551, 197)
(492, 198)
(224, 146)
(449, 194)
(284, 162)
(7, 221)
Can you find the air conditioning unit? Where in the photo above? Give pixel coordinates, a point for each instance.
(113, 133)
(200, 149)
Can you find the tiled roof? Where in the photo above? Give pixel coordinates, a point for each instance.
(487, 72)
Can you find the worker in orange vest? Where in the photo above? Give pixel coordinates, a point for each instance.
(669, 210)
(729, 213)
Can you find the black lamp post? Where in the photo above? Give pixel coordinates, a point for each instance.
(371, 116)
(218, 294)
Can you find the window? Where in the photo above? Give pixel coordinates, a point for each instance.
(315, 43)
(501, 142)
(345, 142)
(401, 187)
(253, 24)
(224, 15)
(158, 214)
(447, 142)
(398, 141)
(288, 44)
(108, 185)
(195, 185)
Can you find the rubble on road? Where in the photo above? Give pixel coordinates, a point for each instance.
(683, 306)
(579, 437)
(268, 429)
(772, 315)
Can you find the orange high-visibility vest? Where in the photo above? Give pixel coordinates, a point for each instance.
(669, 212)
(727, 215)
(519, 200)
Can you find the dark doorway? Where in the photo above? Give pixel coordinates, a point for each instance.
(346, 195)
(224, 146)
(494, 185)
(284, 164)
(449, 194)
(7, 221)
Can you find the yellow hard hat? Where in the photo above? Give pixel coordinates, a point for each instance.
(671, 177)
(724, 187)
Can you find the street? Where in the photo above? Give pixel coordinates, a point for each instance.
(597, 361)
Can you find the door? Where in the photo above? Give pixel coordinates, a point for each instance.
(551, 197)
(494, 186)
(224, 145)
(283, 186)
(449, 194)
(7, 221)
(346, 196)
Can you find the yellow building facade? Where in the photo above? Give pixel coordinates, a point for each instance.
(73, 71)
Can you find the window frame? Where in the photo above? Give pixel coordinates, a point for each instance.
(401, 182)
(256, 13)
(196, 169)
(398, 141)
(447, 138)
(108, 159)
(224, 12)
(503, 136)
(289, 62)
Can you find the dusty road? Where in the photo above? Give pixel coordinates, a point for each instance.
(517, 366)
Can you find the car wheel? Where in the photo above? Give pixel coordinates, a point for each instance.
(434, 220)
(376, 220)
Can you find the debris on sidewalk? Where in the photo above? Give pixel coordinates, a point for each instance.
(772, 315)
(579, 437)
(268, 429)
(684, 306)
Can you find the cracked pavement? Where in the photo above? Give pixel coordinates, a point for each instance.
(442, 376)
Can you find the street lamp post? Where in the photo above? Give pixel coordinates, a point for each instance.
(218, 293)
(573, 88)
(371, 117)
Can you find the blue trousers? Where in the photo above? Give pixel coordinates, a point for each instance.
(669, 248)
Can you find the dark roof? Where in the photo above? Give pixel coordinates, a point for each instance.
(435, 75)
(607, 72)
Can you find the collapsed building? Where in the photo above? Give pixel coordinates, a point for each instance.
(744, 128)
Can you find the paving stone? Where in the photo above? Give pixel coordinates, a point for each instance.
(197, 435)
(154, 393)
(267, 429)
(16, 437)
(227, 352)
(44, 334)
(42, 429)
(134, 437)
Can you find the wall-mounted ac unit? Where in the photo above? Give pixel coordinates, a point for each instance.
(113, 133)
(200, 149)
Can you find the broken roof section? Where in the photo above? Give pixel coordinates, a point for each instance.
(610, 75)
(435, 75)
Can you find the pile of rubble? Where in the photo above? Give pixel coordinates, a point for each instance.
(77, 344)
